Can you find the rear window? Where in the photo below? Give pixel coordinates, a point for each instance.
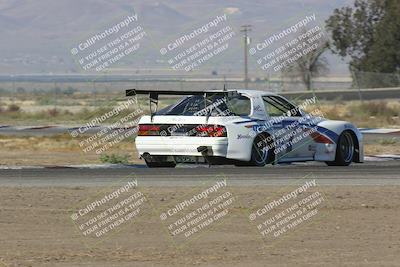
(214, 105)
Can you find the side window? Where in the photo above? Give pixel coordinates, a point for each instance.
(277, 106)
(240, 106)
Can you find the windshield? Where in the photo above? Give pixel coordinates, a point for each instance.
(214, 105)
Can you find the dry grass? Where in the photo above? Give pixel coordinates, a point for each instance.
(366, 114)
(40, 110)
(55, 150)
(384, 146)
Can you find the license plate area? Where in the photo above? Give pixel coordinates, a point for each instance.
(189, 159)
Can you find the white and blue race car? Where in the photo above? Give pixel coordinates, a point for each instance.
(241, 127)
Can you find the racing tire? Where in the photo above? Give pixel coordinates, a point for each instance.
(160, 164)
(345, 150)
(260, 154)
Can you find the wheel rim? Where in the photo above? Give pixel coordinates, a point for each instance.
(261, 152)
(347, 147)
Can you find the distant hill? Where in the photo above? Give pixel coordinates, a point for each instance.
(37, 35)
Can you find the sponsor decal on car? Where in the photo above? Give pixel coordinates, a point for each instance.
(243, 136)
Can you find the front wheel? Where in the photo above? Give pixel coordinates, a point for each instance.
(344, 150)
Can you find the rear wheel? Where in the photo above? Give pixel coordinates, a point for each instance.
(344, 150)
(261, 152)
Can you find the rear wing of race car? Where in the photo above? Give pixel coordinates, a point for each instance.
(153, 95)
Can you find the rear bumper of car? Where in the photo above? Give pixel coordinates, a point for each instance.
(178, 146)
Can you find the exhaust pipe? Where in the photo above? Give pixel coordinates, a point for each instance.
(205, 150)
(202, 149)
(147, 156)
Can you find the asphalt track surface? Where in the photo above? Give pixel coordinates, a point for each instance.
(369, 173)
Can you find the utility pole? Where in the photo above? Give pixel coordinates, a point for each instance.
(55, 96)
(246, 29)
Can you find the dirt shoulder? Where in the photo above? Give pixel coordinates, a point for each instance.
(355, 226)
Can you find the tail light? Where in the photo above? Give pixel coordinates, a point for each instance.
(320, 138)
(193, 130)
(150, 130)
(211, 131)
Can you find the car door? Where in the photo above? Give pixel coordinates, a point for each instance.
(291, 140)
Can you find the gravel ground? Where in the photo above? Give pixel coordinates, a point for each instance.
(355, 226)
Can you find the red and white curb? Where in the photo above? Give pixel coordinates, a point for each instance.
(379, 131)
